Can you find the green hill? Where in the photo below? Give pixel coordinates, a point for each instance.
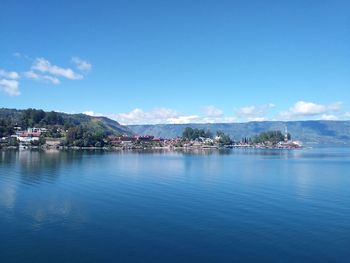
(39, 118)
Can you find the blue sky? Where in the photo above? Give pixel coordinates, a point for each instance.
(178, 61)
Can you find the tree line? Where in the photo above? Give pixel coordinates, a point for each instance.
(70, 130)
(273, 137)
(195, 134)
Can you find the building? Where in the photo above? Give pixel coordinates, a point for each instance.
(36, 130)
(32, 134)
(29, 137)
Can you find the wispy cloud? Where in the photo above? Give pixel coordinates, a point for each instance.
(212, 111)
(81, 64)
(254, 112)
(17, 54)
(9, 82)
(44, 71)
(22, 56)
(9, 74)
(45, 78)
(41, 70)
(44, 66)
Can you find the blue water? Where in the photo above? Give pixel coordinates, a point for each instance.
(211, 206)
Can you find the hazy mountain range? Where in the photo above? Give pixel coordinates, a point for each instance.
(309, 132)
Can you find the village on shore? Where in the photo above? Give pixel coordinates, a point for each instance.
(59, 138)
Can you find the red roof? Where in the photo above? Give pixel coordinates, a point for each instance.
(30, 134)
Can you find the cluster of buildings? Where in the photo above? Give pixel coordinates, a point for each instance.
(29, 135)
(287, 143)
(26, 137)
(270, 145)
(126, 141)
(143, 141)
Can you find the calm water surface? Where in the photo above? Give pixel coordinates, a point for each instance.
(228, 206)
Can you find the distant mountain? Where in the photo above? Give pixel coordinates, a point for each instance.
(309, 132)
(33, 117)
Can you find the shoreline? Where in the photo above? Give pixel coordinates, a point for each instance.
(116, 149)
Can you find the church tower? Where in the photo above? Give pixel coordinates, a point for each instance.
(285, 133)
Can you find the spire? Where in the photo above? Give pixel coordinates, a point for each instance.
(285, 133)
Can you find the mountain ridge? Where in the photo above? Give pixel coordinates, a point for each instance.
(309, 131)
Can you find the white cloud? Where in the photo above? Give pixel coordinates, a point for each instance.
(94, 114)
(9, 82)
(171, 116)
(328, 117)
(138, 116)
(247, 111)
(254, 113)
(89, 113)
(10, 87)
(8, 74)
(184, 119)
(45, 78)
(165, 116)
(212, 111)
(257, 119)
(44, 66)
(41, 70)
(81, 64)
(336, 106)
(309, 109)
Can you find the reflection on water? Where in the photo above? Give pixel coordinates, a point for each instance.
(201, 205)
(35, 167)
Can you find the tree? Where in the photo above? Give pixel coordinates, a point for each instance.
(31, 117)
(6, 128)
(39, 142)
(224, 139)
(73, 134)
(187, 133)
(53, 118)
(193, 134)
(273, 137)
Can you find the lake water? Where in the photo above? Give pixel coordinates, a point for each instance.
(210, 206)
